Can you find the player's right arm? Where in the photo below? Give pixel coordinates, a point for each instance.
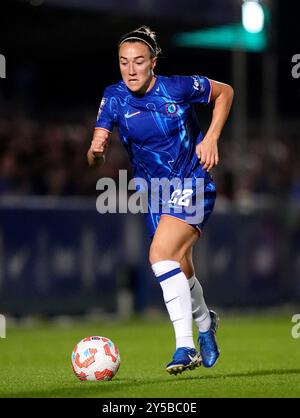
(98, 148)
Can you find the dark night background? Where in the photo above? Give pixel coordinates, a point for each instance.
(61, 58)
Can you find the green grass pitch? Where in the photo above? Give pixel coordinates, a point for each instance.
(259, 358)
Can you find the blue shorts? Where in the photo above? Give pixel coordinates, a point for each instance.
(192, 205)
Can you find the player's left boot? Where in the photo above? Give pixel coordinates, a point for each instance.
(209, 350)
(184, 358)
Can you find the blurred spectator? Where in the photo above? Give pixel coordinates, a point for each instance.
(47, 158)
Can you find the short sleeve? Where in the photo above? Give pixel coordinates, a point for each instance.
(194, 89)
(105, 117)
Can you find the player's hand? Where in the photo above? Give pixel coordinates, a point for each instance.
(97, 150)
(207, 153)
(98, 146)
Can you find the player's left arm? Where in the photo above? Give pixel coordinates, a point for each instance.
(207, 150)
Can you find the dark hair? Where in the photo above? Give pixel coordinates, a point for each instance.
(142, 34)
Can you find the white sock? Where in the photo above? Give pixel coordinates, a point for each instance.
(177, 297)
(199, 309)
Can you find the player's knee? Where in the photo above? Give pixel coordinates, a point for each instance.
(160, 252)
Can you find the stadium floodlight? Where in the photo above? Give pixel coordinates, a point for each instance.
(252, 16)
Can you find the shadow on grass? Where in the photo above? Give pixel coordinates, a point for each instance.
(109, 389)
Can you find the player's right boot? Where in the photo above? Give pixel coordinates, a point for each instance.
(184, 358)
(209, 350)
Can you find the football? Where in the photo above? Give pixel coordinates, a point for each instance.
(95, 358)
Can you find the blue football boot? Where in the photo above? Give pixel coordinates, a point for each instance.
(184, 358)
(209, 350)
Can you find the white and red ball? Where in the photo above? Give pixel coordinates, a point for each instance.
(95, 358)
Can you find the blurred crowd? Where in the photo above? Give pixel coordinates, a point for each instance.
(49, 158)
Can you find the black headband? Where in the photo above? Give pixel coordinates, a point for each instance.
(140, 36)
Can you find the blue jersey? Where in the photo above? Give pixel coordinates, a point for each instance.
(159, 130)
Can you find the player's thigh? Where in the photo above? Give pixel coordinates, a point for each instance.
(172, 239)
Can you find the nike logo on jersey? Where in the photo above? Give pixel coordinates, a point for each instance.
(129, 115)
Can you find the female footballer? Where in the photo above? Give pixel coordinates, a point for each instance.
(158, 126)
